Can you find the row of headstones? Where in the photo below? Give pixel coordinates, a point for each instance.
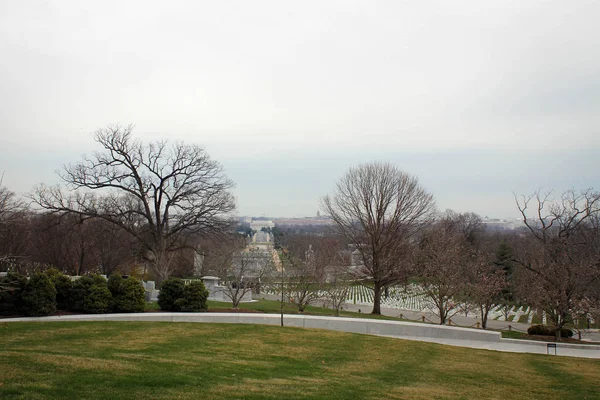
(514, 315)
(409, 298)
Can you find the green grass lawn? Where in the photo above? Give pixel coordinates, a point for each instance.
(149, 360)
(273, 307)
(515, 335)
(152, 305)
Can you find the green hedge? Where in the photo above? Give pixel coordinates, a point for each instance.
(194, 298)
(548, 330)
(78, 292)
(44, 293)
(128, 294)
(175, 295)
(39, 296)
(63, 285)
(170, 291)
(90, 294)
(11, 289)
(98, 299)
(114, 284)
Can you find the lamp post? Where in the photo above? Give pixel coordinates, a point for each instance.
(282, 297)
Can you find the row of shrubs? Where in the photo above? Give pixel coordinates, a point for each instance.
(175, 295)
(548, 330)
(45, 293)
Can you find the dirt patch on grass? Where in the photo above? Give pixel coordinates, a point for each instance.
(85, 363)
(422, 392)
(143, 338)
(585, 368)
(163, 360)
(292, 387)
(8, 372)
(468, 370)
(34, 335)
(71, 362)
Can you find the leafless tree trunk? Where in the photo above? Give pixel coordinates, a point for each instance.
(159, 194)
(379, 208)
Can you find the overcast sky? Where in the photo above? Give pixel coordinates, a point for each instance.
(476, 98)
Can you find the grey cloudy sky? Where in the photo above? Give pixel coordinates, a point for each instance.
(476, 98)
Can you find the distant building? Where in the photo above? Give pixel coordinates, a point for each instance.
(306, 221)
(257, 225)
(501, 224)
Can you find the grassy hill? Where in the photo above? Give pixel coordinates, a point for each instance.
(149, 360)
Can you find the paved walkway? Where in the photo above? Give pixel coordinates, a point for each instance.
(592, 335)
(518, 346)
(453, 336)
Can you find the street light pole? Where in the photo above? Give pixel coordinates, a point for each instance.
(281, 305)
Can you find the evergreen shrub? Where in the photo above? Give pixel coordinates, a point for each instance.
(38, 296)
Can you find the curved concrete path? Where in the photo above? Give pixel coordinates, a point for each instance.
(454, 336)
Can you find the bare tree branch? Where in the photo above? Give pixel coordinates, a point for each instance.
(161, 194)
(562, 255)
(379, 208)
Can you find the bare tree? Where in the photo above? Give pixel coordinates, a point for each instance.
(485, 285)
(379, 208)
(112, 247)
(561, 253)
(469, 225)
(487, 271)
(240, 266)
(442, 265)
(159, 194)
(250, 266)
(9, 204)
(336, 287)
(64, 242)
(303, 280)
(217, 255)
(14, 227)
(306, 261)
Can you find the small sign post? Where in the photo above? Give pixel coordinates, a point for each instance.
(551, 346)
